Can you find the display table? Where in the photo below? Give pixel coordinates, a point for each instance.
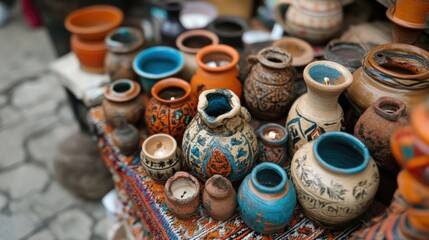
(147, 201)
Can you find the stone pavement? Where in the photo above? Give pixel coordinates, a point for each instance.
(34, 119)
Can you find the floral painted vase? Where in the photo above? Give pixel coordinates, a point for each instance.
(335, 178)
(272, 139)
(219, 140)
(266, 199)
(219, 198)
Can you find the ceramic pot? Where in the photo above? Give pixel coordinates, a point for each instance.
(171, 28)
(302, 53)
(217, 68)
(394, 70)
(272, 140)
(171, 108)
(197, 15)
(241, 8)
(182, 194)
(229, 29)
(349, 55)
(312, 20)
(335, 178)
(160, 156)
(126, 137)
(189, 43)
(318, 111)
(91, 54)
(122, 99)
(156, 63)
(123, 44)
(219, 198)
(219, 140)
(268, 89)
(266, 199)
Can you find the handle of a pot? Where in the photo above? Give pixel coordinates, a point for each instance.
(251, 61)
(280, 16)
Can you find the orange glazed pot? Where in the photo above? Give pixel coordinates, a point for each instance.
(217, 68)
(91, 54)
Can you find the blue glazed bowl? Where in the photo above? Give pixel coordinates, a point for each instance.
(156, 63)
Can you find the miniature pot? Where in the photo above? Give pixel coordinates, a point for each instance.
(349, 55)
(171, 28)
(272, 140)
(229, 29)
(91, 54)
(182, 194)
(302, 53)
(126, 137)
(219, 198)
(197, 15)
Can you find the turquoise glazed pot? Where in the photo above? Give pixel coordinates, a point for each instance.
(266, 199)
(156, 63)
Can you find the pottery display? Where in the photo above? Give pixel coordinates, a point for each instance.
(318, 111)
(160, 156)
(171, 27)
(229, 29)
(197, 15)
(272, 139)
(348, 54)
(219, 198)
(217, 68)
(182, 194)
(335, 178)
(394, 70)
(171, 108)
(126, 137)
(268, 88)
(122, 99)
(189, 43)
(123, 44)
(312, 20)
(302, 53)
(157, 63)
(266, 199)
(91, 54)
(219, 140)
(242, 8)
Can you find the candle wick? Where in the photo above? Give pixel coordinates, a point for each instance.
(172, 98)
(327, 81)
(184, 192)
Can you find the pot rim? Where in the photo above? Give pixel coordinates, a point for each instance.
(401, 22)
(302, 60)
(228, 19)
(119, 47)
(234, 101)
(132, 92)
(268, 126)
(159, 135)
(310, 81)
(273, 167)
(221, 48)
(171, 82)
(389, 101)
(177, 175)
(162, 50)
(283, 55)
(195, 33)
(220, 194)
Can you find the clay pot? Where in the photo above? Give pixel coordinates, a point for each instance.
(241, 8)
(160, 156)
(126, 137)
(302, 53)
(229, 29)
(189, 43)
(171, 28)
(219, 198)
(335, 179)
(91, 54)
(122, 99)
(217, 69)
(171, 108)
(394, 70)
(266, 199)
(272, 140)
(197, 15)
(349, 55)
(317, 111)
(182, 194)
(219, 140)
(268, 89)
(123, 44)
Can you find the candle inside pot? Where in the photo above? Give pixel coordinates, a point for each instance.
(161, 150)
(215, 64)
(183, 188)
(326, 75)
(273, 133)
(171, 93)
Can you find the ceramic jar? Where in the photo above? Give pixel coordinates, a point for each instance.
(272, 139)
(394, 70)
(122, 99)
(126, 137)
(219, 198)
(171, 27)
(318, 111)
(217, 68)
(90, 54)
(312, 20)
(189, 43)
(302, 53)
(268, 89)
(219, 140)
(160, 156)
(348, 54)
(229, 29)
(123, 44)
(157, 63)
(182, 194)
(266, 199)
(335, 178)
(171, 108)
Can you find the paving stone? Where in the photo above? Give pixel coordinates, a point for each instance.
(102, 227)
(65, 114)
(17, 226)
(3, 201)
(94, 209)
(3, 100)
(42, 235)
(11, 148)
(10, 117)
(43, 108)
(72, 224)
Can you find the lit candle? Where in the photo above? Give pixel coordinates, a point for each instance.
(171, 93)
(327, 81)
(183, 188)
(272, 134)
(161, 150)
(172, 98)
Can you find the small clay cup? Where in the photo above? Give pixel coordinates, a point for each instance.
(301, 51)
(219, 198)
(91, 54)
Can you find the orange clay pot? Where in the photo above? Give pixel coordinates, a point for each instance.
(91, 54)
(217, 68)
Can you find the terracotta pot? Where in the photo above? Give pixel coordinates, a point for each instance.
(268, 89)
(122, 99)
(91, 54)
(123, 44)
(318, 111)
(219, 198)
(182, 194)
(409, 14)
(217, 69)
(171, 28)
(241, 8)
(160, 157)
(229, 29)
(190, 43)
(171, 108)
(395, 70)
(335, 179)
(348, 54)
(126, 137)
(272, 140)
(302, 53)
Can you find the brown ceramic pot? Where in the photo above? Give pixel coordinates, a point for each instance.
(217, 69)
(219, 198)
(126, 137)
(91, 54)
(272, 140)
(268, 89)
(302, 52)
(182, 194)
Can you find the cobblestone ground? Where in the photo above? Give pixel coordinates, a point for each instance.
(34, 119)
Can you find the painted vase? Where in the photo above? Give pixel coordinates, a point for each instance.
(122, 99)
(171, 108)
(219, 198)
(335, 178)
(266, 199)
(219, 140)
(318, 111)
(268, 89)
(123, 44)
(160, 157)
(217, 68)
(171, 28)
(126, 137)
(229, 29)
(272, 139)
